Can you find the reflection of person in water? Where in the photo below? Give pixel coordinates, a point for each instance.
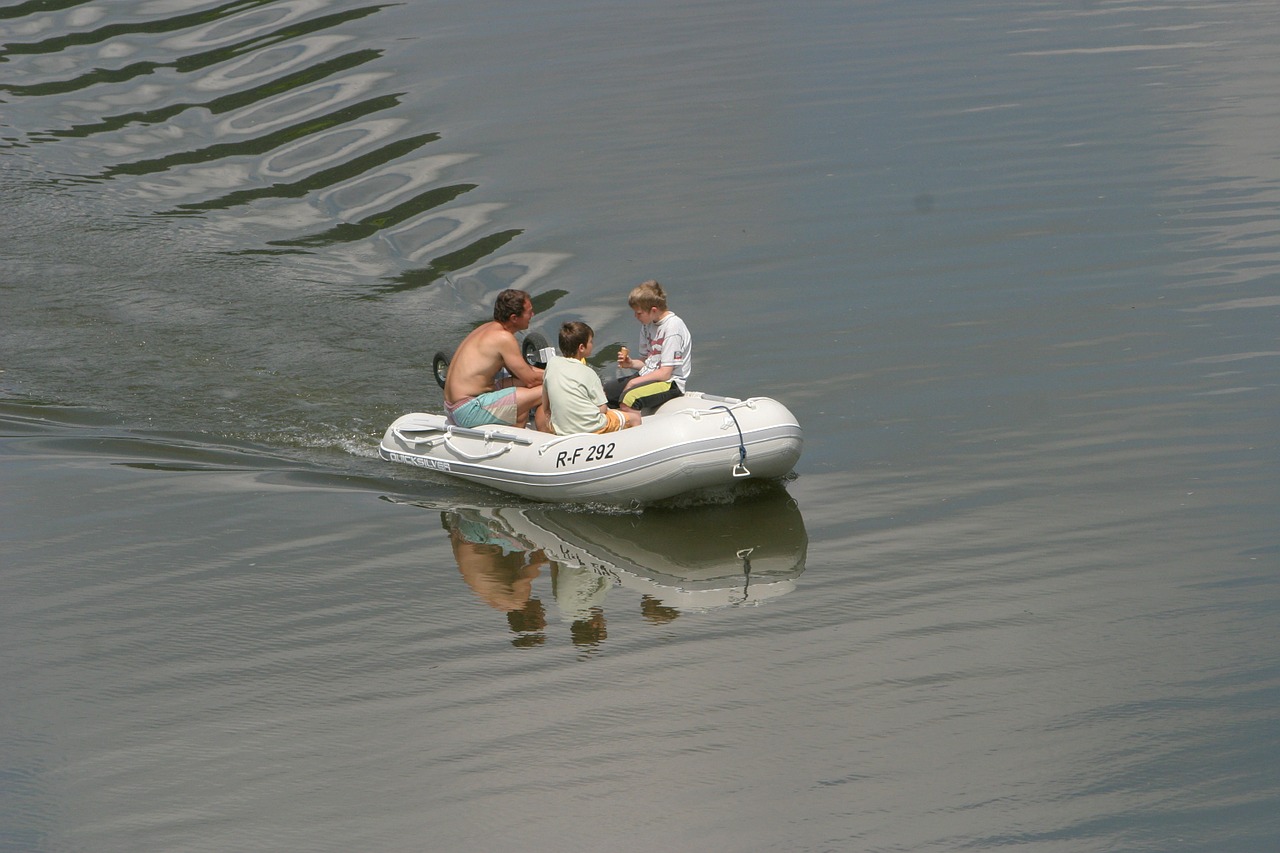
(501, 569)
(655, 612)
(501, 572)
(580, 596)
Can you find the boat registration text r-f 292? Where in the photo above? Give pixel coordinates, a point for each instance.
(591, 453)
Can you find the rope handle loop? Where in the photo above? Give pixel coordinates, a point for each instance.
(739, 470)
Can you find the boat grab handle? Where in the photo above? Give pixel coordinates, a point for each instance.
(559, 440)
(464, 432)
(474, 457)
(697, 414)
(416, 439)
(488, 435)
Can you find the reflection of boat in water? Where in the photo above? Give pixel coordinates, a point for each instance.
(690, 559)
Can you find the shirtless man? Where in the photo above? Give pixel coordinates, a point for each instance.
(472, 397)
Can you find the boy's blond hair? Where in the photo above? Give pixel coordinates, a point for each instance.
(647, 295)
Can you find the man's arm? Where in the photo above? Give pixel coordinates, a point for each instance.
(528, 375)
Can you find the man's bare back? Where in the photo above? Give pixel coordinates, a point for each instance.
(489, 348)
(479, 357)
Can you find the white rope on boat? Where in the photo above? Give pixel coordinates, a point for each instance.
(739, 470)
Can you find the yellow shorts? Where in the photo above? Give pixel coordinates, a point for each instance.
(613, 421)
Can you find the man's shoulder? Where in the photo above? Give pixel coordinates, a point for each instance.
(493, 334)
(494, 329)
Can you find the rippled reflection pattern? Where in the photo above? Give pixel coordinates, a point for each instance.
(271, 122)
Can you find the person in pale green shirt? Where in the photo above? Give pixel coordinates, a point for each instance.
(573, 398)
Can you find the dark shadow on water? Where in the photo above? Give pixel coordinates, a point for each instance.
(312, 183)
(445, 264)
(348, 232)
(256, 146)
(216, 106)
(99, 35)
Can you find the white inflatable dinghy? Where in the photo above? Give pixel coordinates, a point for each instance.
(692, 442)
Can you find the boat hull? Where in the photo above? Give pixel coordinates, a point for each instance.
(694, 442)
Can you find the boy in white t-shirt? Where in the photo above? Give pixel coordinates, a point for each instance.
(666, 354)
(573, 398)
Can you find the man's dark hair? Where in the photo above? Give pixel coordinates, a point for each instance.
(510, 303)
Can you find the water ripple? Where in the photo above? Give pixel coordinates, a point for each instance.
(310, 136)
